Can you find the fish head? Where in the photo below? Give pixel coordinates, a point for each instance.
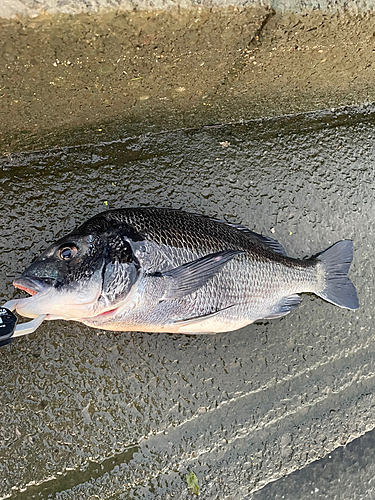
(84, 274)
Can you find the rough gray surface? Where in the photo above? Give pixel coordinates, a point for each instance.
(346, 473)
(11, 8)
(240, 409)
(92, 78)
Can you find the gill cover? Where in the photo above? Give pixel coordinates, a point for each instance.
(121, 269)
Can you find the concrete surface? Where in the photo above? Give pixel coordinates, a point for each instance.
(119, 107)
(12, 8)
(126, 416)
(89, 78)
(348, 473)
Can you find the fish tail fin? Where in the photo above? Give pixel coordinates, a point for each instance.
(339, 290)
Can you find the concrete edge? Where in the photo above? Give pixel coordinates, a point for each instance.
(15, 8)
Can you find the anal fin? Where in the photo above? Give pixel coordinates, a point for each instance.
(284, 306)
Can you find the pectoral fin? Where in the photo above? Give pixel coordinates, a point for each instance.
(190, 277)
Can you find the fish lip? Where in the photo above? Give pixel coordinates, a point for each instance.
(33, 285)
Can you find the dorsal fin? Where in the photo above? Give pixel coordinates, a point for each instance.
(270, 242)
(266, 240)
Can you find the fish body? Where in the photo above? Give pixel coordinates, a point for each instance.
(162, 270)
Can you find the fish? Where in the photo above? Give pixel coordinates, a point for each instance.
(164, 270)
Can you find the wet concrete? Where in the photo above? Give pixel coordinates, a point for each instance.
(239, 409)
(348, 472)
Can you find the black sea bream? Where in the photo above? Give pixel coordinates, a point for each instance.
(161, 270)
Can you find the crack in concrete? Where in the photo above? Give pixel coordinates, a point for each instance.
(240, 64)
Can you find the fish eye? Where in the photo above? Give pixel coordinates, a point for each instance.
(67, 253)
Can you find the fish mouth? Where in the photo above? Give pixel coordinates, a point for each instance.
(33, 285)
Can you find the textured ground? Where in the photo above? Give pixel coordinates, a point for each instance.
(126, 416)
(84, 78)
(87, 416)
